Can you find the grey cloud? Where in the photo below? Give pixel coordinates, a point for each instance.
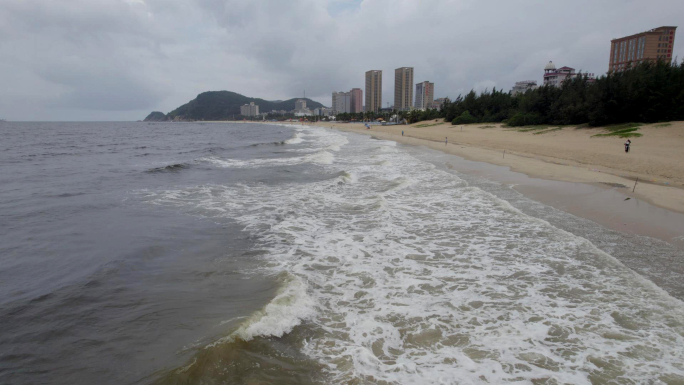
(120, 58)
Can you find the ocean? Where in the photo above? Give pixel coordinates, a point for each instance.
(163, 253)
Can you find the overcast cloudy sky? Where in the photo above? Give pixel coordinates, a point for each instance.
(121, 59)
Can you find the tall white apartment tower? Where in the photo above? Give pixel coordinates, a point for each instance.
(403, 88)
(425, 95)
(373, 90)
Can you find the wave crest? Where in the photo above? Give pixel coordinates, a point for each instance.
(288, 309)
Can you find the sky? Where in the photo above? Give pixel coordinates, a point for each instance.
(103, 60)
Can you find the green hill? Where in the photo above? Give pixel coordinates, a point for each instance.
(156, 116)
(224, 105)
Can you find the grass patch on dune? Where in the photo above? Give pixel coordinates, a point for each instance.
(427, 125)
(487, 126)
(533, 128)
(622, 127)
(661, 125)
(624, 133)
(624, 130)
(547, 131)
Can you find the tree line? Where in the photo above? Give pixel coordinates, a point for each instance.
(647, 92)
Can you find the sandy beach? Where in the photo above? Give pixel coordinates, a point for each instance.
(569, 168)
(563, 154)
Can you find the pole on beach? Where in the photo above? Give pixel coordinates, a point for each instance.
(635, 183)
(504, 154)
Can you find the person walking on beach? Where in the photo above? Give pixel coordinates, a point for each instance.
(402, 133)
(446, 140)
(627, 144)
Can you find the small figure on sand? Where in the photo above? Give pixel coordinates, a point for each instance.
(402, 133)
(627, 144)
(446, 140)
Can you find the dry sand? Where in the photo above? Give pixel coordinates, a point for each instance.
(567, 154)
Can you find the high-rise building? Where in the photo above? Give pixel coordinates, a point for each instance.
(403, 88)
(300, 104)
(652, 45)
(341, 102)
(373, 90)
(356, 100)
(425, 95)
(250, 109)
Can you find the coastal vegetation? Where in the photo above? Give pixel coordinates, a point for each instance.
(547, 131)
(622, 130)
(427, 125)
(647, 93)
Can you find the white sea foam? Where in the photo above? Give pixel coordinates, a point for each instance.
(348, 177)
(321, 140)
(320, 157)
(296, 139)
(412, 276)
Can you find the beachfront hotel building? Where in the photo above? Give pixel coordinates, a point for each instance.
(652, 45)
(556, 77)
(250, 109)
(341, 102)
(300, 108)
(373, 90)
(323, 111)
(403, 88)
(356, 100)
(523, 86)
(437, 104)
(425, 95)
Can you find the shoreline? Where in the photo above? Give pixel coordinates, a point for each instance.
(586, 193)
(656, 189)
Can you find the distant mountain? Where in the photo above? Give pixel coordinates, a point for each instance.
(156, 116)
(223, 105)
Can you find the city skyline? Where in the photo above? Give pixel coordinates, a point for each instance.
(120, 59)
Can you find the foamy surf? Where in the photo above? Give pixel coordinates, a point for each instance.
(321, 157)
(416, 277)
(290, 307)
(296, 139)
(348, 177)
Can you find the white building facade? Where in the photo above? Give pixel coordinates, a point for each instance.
(323, 111)
(250, 109)
(425, 95)
(524, 86)
(300, 104)
(556, 77)
(341, 102)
